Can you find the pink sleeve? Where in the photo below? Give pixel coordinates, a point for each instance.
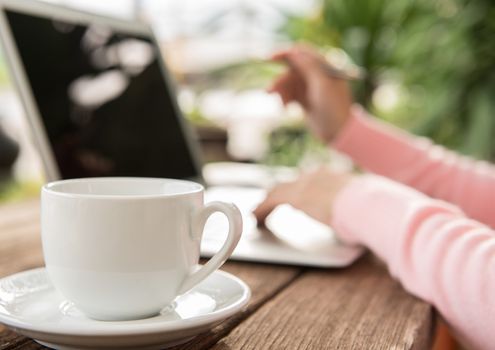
(431, 169)
(430, 246)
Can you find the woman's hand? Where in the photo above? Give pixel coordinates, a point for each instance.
(313, 193)
(327, 100)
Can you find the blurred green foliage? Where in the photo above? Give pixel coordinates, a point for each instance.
(292, 144)
(439, 54)
(11, 190)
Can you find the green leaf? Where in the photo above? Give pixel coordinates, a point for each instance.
(478, 141)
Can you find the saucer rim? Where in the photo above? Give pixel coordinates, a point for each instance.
(129, 328)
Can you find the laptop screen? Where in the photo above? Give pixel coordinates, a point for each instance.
(103, 99)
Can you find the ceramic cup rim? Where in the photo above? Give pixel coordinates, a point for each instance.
(55, 188)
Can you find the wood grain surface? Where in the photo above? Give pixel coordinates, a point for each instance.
(291, 307)
(325, 309)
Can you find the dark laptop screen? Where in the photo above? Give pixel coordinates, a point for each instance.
(103, 99)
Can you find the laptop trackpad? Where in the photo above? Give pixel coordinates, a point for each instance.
(291, 237)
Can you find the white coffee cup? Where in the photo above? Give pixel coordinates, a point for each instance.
(124, 248)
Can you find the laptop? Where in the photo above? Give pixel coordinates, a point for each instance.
(100, 102)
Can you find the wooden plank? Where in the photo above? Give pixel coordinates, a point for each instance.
(357, 308)
(20, 249)
(10, 340)
(20, 241)
(18, 213)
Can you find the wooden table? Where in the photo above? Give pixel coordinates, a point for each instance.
(360, 307)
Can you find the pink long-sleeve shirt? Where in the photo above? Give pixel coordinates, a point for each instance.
(435, 234)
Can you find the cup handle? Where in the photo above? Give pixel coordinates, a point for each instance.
(235, 228)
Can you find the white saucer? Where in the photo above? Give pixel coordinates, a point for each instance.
(31, 306)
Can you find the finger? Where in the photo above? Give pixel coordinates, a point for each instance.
(282, 55)
(289, 54)
(308, 51)
(279, 56)
(279, 194)
(286, 87)
(263, 210)
(279, 83)
(301, 93)
(305, 64)
(272, 200)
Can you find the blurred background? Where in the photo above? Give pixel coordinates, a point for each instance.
(430, 69)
